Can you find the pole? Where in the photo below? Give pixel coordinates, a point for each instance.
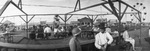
(65, 22)
(27, 25)
(139, 14)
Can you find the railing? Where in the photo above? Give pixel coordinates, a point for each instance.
(46, 47)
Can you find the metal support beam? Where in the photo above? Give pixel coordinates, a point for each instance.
(65, 22)
(2, 20)
(89, 7)
(92, 20)
(18, 8)
(129, 6)
(88, 16)
(61, 18)
(108, 9)
(77, 4)
(20, 4)
(67, 14)
(69, 17)
(95, 18)
(120, 10)
(113, 8)
(22, 18)
(124, 11)
(119, 18)
(31, 18)
(27, 26)
(136, 17)
(26, 21)
(4, 7)
(139, 14)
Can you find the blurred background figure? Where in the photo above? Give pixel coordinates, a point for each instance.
(74, 43)
(47, 32)
(40, 32)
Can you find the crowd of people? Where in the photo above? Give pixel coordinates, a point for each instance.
(47, 31)
(103, 39)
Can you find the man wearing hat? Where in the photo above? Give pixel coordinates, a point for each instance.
(74, 43)
(103, 38)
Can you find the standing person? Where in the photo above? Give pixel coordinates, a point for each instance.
(33, 33)
(40, 32)
(7, 30)
(127, 38)
(47, 31)
(74, 43)
(103, 38)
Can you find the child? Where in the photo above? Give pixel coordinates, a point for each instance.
(74, 43)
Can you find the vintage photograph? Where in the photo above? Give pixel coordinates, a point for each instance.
(74, 25)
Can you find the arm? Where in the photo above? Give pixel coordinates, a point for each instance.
(96, 43)
(72, 45)
(44, 30)
(110, 38)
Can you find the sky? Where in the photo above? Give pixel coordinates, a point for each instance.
(69, 4)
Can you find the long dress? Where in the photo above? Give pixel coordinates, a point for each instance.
(128, 39)
(74, 44)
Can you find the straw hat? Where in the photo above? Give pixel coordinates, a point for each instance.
(76, 31)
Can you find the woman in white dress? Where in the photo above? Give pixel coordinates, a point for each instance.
(128, 38)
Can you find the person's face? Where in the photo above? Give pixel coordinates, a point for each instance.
(101, 30)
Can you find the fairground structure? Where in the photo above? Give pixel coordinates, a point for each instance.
(109, 5)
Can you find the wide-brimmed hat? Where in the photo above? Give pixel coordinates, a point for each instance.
(102, 26)
(76, 30)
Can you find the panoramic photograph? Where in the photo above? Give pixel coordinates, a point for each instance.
(74, 25)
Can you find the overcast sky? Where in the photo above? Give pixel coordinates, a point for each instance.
(55, 8)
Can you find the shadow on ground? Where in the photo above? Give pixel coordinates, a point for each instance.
(147, 39)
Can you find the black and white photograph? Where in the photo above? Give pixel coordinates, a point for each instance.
(74, 25)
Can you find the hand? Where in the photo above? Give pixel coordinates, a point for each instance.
(103, 48)
(105, 45)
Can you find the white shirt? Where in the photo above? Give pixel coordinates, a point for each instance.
(47, 30)
(56, 30)
(103, 38)
(125, 35)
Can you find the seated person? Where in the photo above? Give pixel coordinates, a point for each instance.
(115, 33)
(74, 43)
(47, 32)
(40, 32)
(108, 29)
(127, 38)
(95, 29)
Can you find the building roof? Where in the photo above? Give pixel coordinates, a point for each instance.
(7, 22)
